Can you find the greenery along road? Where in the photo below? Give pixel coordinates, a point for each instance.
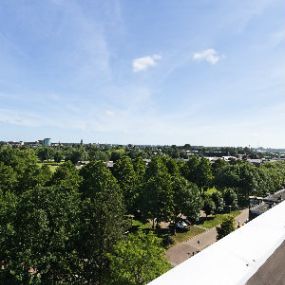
(68, 225)
(184, 250)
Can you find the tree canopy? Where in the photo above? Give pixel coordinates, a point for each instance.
(137, 260)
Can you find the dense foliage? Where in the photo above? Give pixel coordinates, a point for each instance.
(70, 225)
(226, 227)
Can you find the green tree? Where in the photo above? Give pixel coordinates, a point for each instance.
(199, 171)
(45, 225)
(187, 198)
(24, 164)
(66, 176)
(137, 260)
(218, 164)
(209, 206)
(230, 198)
(102, 219)
(8, 177)
(44, 153)
(28, 177)
(227, 176)
(172, 166)
(218, 199)
(58, 156)
(226, 227)
(124, 172)
(97, 178)
(156, 199)
(44, 175)
(117, 154)
(76, 154)
(8, 206)
(139, 167)
(156, 168)
(205, 175)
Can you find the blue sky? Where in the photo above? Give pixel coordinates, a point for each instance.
(144, 72)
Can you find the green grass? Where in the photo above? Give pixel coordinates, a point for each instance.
(52, 165)
(53, 168)
(194, 231)
(141, 225)
(216, 220)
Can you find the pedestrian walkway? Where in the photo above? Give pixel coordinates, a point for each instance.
(185, 250)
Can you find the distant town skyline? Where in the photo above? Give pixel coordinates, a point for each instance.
(143, 72)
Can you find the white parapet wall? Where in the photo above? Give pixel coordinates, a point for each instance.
(236, 257)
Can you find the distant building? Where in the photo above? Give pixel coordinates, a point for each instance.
(15, 144)
(32, 144)
(46, 142)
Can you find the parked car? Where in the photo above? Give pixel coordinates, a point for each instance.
(181, 226)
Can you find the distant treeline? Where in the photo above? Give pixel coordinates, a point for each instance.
(83, 152)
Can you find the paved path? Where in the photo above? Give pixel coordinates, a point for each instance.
(186, 249)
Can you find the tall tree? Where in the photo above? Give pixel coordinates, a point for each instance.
(76, 154)
(58, 156)
(209, 206)
(139, 167)
(199, 171)
(117, 154)
(24, 164)
(8, 206)
(44, 175)
(102, 219)
(187, 198)
(45, 225)
(218, 199)
(156, 199)
(8, 177)
(156, 168)
(67, 176)
(124, 172)
(97, 178)
(172, 166)
(230, 198)
(45, 153)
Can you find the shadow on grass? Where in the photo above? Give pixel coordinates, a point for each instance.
(204, 219)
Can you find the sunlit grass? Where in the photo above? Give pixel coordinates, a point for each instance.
(51, 164)
(194, 231)
(217, 219)
(140, 225)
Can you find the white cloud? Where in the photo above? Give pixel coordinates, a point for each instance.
(209, 55)
(109, 113)
(143, 63)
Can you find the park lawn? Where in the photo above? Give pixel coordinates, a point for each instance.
(216, 220)
(52, 165)
(53, 168)
(194, 231)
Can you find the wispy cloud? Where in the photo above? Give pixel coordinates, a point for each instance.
(210, 55)
(277, 38)
(145, 62)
